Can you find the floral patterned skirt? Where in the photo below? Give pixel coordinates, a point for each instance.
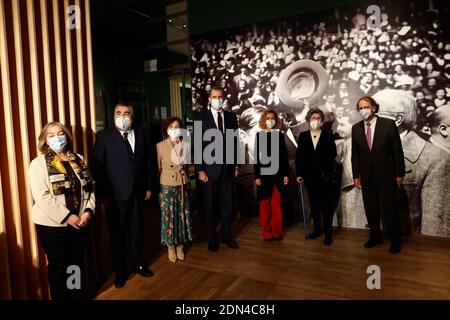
(175, 215)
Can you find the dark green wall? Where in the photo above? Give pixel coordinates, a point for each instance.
(112, 63)
(206, 15)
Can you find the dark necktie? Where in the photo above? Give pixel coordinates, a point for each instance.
(219, 121)
(125, 138)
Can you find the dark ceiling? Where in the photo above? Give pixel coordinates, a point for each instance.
(134, 29)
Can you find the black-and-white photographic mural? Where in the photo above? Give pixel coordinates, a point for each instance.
(329, 59)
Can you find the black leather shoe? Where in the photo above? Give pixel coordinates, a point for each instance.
(120, 281)
(372, 243)
(144, 271)
(328, 241)
(213, 246)
(277, 238)
(315, 234)
(231, 244)
(395, 248)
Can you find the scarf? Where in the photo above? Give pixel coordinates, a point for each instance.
(59, 178)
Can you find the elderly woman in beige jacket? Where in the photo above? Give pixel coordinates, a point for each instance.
(64, 201)
(174, 198)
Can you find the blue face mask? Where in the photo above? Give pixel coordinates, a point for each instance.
(216, 103)
(57, 143)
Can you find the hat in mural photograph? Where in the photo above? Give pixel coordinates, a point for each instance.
(302, 80)
(404, 80)
(384, 37)
(377, 32)
(404, 30)
(354, 75)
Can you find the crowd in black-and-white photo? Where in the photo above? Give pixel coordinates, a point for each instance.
(405, 63)
(409, 52)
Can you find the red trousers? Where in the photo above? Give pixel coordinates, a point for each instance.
(271, 216)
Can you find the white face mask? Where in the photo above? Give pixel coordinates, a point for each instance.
(315, 124)
(57, 143)
(270, 123)
(174, 133)
(123, 123)
(365, 113)
(216, 104)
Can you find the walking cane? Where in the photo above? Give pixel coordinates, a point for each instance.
(303, 210)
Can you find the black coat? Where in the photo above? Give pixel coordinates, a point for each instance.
(269, 181)
(214, 170)
(118, 173)
(385, 161)
(315, 164)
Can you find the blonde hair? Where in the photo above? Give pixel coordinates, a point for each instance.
(262, 120)
(42, 140)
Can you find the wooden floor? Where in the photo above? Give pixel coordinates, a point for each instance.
(295, 269)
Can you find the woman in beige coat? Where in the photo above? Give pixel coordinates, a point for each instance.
(173, 198)
(64, 201)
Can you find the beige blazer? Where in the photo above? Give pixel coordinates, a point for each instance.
(48, 209)
(170, 163)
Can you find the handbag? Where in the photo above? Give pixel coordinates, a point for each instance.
(335, 174)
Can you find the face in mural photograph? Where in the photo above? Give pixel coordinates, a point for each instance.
(328, 61)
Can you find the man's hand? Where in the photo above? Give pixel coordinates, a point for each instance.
(202, 176)
(258, 182)
(357, 183)
(148, 195)
(299, 180)
(286, 180)
(236, 172)
(73, 221)
(84, 220)
(399, 182)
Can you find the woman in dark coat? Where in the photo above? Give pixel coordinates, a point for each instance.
(316, 151)
(271, 174)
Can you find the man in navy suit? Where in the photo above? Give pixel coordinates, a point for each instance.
(217, 177)
(379, 169)
(122, 168)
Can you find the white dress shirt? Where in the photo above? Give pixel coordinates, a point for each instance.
(131, 138)
(215, 114)
(373, 124)
(315, 136)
